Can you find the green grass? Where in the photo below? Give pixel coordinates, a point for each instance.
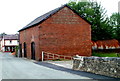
(104, 54)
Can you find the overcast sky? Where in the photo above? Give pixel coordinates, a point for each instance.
(15, 14)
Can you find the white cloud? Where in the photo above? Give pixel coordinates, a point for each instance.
(110, 5)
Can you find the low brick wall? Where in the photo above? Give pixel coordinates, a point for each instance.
(107, 66)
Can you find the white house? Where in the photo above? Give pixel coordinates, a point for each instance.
(9, 42)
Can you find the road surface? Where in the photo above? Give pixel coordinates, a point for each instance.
(20, 68)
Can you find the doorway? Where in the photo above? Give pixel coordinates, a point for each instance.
(20, 50)
(25, 52)
(33, 50)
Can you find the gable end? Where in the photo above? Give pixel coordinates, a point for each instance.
(47, 15)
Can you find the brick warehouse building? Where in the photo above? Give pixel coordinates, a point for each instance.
(60, 31)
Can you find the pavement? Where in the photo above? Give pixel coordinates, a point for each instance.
(20, 68)
(65, 64)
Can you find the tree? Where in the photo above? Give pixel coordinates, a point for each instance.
(96, 15)
(115, 23)
(2, 34)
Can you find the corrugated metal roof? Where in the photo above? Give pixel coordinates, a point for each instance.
(106, 43)
(45, 16)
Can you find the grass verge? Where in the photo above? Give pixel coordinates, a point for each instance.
(100, 54)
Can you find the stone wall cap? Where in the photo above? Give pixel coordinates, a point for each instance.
(93, 57)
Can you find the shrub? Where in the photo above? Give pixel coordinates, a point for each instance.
(16, 51)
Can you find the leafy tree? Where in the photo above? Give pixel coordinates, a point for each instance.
(2, 34)
(115, 23)
(96, 15)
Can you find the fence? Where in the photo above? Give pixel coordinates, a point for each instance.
(51, 56)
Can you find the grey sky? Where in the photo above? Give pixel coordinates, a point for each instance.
(15, 14)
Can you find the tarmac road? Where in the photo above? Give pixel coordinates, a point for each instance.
(0, 66)
(20, 68)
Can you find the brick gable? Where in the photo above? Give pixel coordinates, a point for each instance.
(64, 33)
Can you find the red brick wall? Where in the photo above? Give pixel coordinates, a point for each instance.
(63, 33)
(28, 36)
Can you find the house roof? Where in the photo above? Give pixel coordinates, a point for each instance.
(47, 15)
(10, 37)
(0, 38)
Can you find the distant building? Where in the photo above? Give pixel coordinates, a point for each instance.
(106, 44)
(61, 31)
(0, 42)
(8, 42)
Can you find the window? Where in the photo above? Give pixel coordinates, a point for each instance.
(10, 41)
(18, 41)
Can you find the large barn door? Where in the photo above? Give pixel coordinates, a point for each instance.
(25, 52)
(33, 50)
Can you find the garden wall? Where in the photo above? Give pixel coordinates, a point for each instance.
(108, 66)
